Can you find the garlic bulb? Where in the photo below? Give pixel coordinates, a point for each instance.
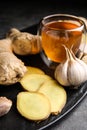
(72, 72)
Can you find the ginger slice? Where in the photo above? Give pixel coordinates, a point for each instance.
(33, 106)
(33, 82)
(34, 70)
(56, 94)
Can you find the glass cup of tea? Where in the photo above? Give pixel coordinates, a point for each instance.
(58, 30)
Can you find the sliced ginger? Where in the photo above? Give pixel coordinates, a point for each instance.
(40, 87)
(56, 94)
(33, 82)
(33, 106)
(34, 70)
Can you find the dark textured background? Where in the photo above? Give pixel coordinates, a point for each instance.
(24, 14)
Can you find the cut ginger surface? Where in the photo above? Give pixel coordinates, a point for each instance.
(33, 106)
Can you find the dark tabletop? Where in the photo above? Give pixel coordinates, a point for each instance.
(24, 14)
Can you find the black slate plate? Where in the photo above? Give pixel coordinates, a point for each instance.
(13, 120)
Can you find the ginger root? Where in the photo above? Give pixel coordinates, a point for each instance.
(13, 69)
(5, 45)
(24, 43)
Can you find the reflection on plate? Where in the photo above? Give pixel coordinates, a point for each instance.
(13, 120)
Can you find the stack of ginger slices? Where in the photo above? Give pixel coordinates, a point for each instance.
(42, 97)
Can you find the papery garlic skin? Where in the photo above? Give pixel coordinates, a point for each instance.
(61, 74)
(77, 73)
(72, 72)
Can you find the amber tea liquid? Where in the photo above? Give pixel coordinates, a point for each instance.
(55, 35)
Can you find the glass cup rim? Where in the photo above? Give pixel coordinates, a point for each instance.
(75, 18)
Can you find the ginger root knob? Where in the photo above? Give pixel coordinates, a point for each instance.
(24, 43)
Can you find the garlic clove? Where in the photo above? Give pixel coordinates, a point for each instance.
(75, 73)
(61, 74)
(5, 105)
